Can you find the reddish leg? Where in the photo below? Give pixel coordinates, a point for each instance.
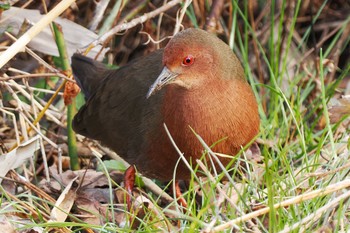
(180, 199)
(129, 181)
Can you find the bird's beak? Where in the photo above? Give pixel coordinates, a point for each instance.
(165, 77)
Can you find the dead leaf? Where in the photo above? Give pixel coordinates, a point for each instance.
(339, 111)
(71, 90)
(18, 156)
(76, 36)
(6, 226)
(64, 203)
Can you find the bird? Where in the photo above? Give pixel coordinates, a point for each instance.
(195, 85)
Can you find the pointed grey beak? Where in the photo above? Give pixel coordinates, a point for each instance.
(165, 77)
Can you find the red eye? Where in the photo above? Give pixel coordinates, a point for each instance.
(188, 60)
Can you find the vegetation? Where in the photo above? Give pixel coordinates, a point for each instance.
(294, 178)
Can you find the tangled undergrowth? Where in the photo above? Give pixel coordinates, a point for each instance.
(294, 179)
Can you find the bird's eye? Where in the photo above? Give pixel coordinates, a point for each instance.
(188, 60)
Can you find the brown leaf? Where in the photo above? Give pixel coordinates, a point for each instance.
(71, 90)
(64, 203)
(18, 156)
(339, 111)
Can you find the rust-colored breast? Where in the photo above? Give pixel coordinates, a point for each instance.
(228, 115)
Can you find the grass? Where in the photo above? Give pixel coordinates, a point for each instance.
(302, 162)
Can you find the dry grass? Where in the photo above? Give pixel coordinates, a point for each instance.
(296, 55)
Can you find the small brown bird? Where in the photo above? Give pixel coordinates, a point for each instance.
(196, 83)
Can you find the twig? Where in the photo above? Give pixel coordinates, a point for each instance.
(295, 200)
(323, 173)
(98, 14)
(257, 53)
(34, 55)
(317, 214)
(33, 31)
(181, 16)
(40, 75)
(322, 41)
(215, 13)
(37, 104)
(13, 116)
(133, 23)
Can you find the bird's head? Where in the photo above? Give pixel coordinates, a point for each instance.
(193, 58)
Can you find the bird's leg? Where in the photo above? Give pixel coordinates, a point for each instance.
(129, 181)
(180, 199)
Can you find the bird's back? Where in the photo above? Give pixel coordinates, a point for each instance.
(117, 112)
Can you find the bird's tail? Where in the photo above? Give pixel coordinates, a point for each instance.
(87, 73)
